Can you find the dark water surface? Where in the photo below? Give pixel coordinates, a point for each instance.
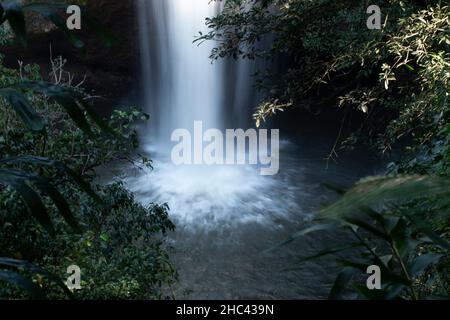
(227, 217)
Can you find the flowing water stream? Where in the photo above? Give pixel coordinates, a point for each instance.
(227, 216)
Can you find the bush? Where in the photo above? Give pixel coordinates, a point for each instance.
(121, 250)
(397, 80)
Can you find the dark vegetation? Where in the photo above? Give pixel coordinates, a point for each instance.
(397, 80)
(53, 214)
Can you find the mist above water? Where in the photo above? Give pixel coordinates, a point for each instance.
(211, 197)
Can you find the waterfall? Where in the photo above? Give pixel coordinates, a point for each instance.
(226, 216)
(180, 83)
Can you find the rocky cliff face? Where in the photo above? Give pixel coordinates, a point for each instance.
(110, 72)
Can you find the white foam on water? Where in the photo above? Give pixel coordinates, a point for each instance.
(212, 196)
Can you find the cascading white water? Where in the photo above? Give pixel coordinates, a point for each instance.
(181, 85)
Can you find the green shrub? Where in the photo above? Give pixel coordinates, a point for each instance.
(120, 247)
(395, 79)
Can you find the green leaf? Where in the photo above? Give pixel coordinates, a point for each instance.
(72, 101)
(409, 67)
(45, 187)
(422, 262)
(61, 96)
(367, 227)
(329, 251)
(22, 282)
(23, 108)
(434, 237)
(295, 236)
(96, 118)
(376, 216)
(69, 99)
(58, 165)
(342, 281)
(402, 240)
(338, 189)
(104, 237)
(75, 113)
(17, 181)
(381, 190)
(8, 262)
(58, 200)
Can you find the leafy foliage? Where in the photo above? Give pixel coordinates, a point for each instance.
(121, 252)
(44, 128)
(397, 80)
(398, 77)
(412, 257)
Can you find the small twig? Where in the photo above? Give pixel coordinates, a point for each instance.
(20, 69)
